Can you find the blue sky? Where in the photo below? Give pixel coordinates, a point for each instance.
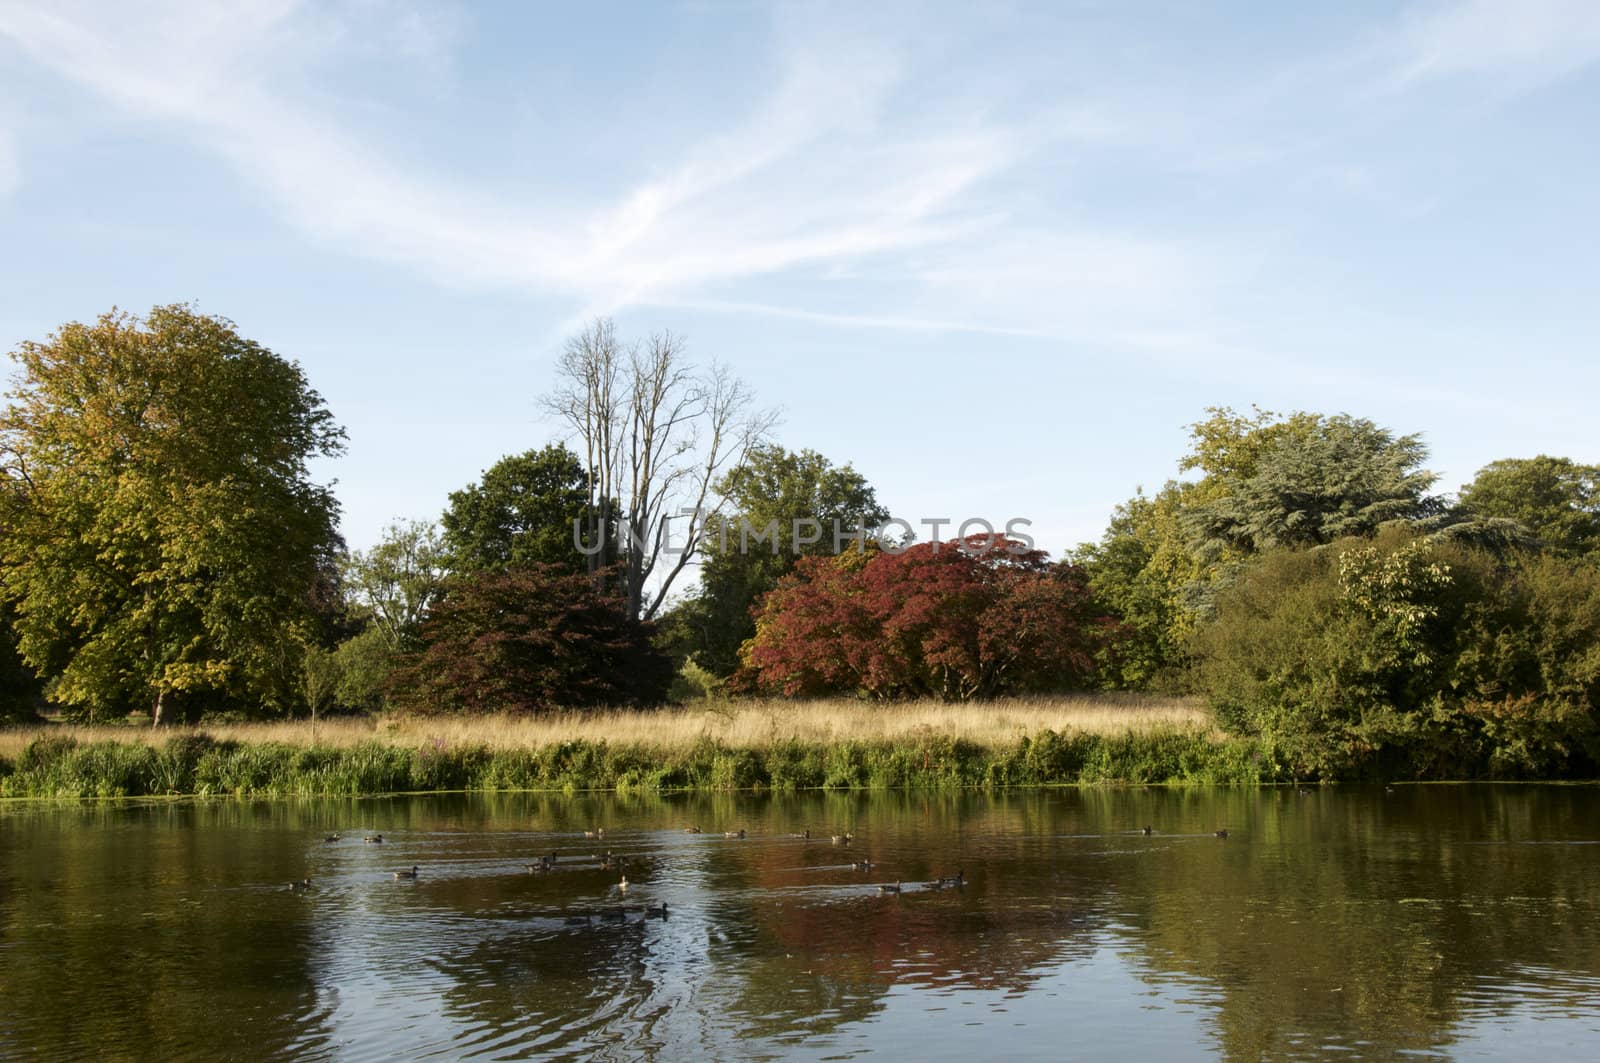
(996, 256)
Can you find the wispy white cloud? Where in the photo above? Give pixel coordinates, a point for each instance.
(1523, 41)
(816, 176)
(841, 166)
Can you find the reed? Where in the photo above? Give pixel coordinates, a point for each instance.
(750, 745)
(737, 724)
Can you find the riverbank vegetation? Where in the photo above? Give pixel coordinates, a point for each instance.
(1321, 611)
(754, 744)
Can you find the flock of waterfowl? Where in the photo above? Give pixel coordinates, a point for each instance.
(610, 861)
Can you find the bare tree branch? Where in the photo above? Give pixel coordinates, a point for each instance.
(656, 434)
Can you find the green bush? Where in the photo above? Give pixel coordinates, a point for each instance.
(1401, 656)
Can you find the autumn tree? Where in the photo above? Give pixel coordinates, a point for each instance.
(955, 620)
(782, 506)
(655, 433)
(522, 511)
(164, 540)
(525, 640)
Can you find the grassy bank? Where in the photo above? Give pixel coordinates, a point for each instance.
(773, 745)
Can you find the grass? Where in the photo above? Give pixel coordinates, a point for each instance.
(721, 746)
(736, 724)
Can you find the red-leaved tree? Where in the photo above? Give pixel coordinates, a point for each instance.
(954, 620)
(526, 640)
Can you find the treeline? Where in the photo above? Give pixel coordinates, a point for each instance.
(166, 553)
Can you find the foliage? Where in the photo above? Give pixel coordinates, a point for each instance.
(693, 683)
(773, 490)
(21, 694)
(1556, 500)
(363, 664)
(198, 764)
(393, 585)
(956, 620)
(164, 542)
(1303, 481)
(1267, 482)
(529, 639)
(1140, 572)
(522, 512)
(1407, 656)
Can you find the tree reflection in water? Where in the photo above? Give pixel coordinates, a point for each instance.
(1342, 919)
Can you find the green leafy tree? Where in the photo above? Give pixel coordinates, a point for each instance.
(21, 694)
(773, 490)
(392, 586)
(1406, 655)
(388, 590)
(1266, 482)
(1303, 481)
(362, 666)
(164, 541)
(520, 513)
(1556, 500)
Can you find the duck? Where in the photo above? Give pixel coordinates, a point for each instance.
(842, 839)
(622, 887)
(598, 832)
(955, 881)
(301, 886)
(408, 874)
(373, 839)
(656, 911)
(804, 835)
(733, 833)
(1147, 830)
(331, 838)
(1223, 833)
(862, 865)
(692, 830)
(886, 888)
(610, 862)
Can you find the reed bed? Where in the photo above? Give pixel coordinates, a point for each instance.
(716, 746)
(735, 724)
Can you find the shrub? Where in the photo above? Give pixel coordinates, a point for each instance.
(1400, 655)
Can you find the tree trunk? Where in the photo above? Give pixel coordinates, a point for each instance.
(155, 716)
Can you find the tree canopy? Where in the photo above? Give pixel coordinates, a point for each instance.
(1267, 482)
(520, 513)
(767, 495)
(164, 540)
(525, 640)
(1556, 500)
(954, 620)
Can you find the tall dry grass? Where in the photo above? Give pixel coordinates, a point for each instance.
(737, 724)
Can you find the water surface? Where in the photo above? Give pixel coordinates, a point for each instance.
(1432, 922)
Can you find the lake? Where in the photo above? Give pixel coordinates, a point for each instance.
(1431, 921)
